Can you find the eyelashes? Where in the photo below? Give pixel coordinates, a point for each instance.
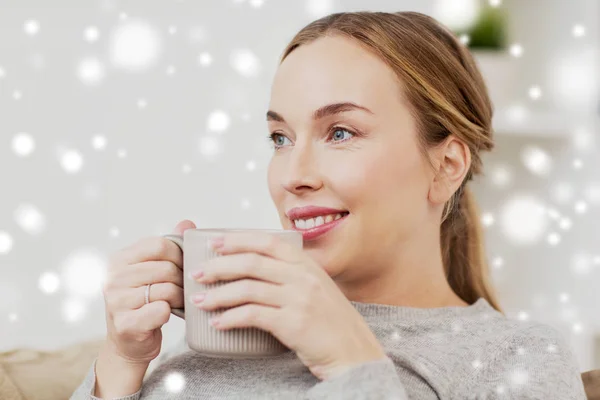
(333, 129)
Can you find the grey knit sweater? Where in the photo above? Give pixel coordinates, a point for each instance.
(469, 352)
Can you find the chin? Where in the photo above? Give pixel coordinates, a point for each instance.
(320, 256)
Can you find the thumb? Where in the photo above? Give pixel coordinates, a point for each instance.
(183, 226)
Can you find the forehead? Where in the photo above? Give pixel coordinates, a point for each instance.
(333, 69)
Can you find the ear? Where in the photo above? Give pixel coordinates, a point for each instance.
(452, 161)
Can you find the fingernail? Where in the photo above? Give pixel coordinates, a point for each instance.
(197, 274)
(217, 242)
(198, 298)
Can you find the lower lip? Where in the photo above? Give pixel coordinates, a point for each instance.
(313, 233)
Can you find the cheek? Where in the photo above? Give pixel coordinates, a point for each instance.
(350, 183)
(274, 181)
(387, 186)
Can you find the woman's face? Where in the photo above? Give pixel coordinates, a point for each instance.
(364, 162)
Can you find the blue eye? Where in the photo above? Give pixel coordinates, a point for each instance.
(336, 130)
(274, 137)
(278, 140)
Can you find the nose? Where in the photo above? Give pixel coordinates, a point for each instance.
(302, 172)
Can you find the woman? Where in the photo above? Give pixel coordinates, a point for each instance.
(380, 118)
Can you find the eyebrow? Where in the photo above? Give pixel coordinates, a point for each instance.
(329, 109)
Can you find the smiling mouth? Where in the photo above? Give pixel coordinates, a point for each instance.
(310, 223)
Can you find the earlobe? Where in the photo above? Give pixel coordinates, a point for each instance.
(439, 189)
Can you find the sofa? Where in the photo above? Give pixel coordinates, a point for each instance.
(29, 374)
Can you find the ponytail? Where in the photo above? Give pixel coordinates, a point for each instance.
(463, 253)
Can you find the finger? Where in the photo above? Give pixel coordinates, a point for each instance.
(134, 298)
(246, 265)
(164, 291)
(142, 320)
(151, 272)
(248, 316)
(183, 225)
(154, 248)
(260, 242)
(241, 292)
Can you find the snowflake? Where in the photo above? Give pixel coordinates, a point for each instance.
(23, 144)
(245, 62)
(174, 382)
(71, 161)
(519, 377)
(523, 316)
(91, 34)
(99, 142)
(6, 242)
(49, 282)
(218, 121)
(516, 50)
(31, 27)
(30, 219)
(578, 30)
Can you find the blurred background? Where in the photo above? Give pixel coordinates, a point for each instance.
(118, 119)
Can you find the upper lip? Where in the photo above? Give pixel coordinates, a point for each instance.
(311, 212)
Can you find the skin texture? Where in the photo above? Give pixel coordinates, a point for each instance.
(388, 249)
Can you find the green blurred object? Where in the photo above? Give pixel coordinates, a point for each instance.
(489, 32)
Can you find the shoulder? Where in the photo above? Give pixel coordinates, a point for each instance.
(505, 337)
(533, 343)
(527, 333)
(530, 358)
(501, 331)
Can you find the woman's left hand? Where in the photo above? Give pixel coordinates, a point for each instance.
(280, 289)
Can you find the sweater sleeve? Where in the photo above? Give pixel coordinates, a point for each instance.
(534, 363)
(374, 380)
(86, 389)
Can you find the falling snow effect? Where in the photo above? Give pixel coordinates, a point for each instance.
(89, 167)
(84, 272)
(174, 382)
(245, 62)
(218, 121)
(49, 282)
(6, 242)
(91, 71)
(135, 46)
(23, 144)
(30, 219)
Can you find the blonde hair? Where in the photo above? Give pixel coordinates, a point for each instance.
(447, 96)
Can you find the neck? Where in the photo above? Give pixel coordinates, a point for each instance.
(413, 278)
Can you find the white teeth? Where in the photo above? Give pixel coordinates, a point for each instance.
(312, 222)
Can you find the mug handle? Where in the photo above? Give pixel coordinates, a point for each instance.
(178, 240)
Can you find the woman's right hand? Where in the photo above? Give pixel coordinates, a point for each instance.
(134, 328)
